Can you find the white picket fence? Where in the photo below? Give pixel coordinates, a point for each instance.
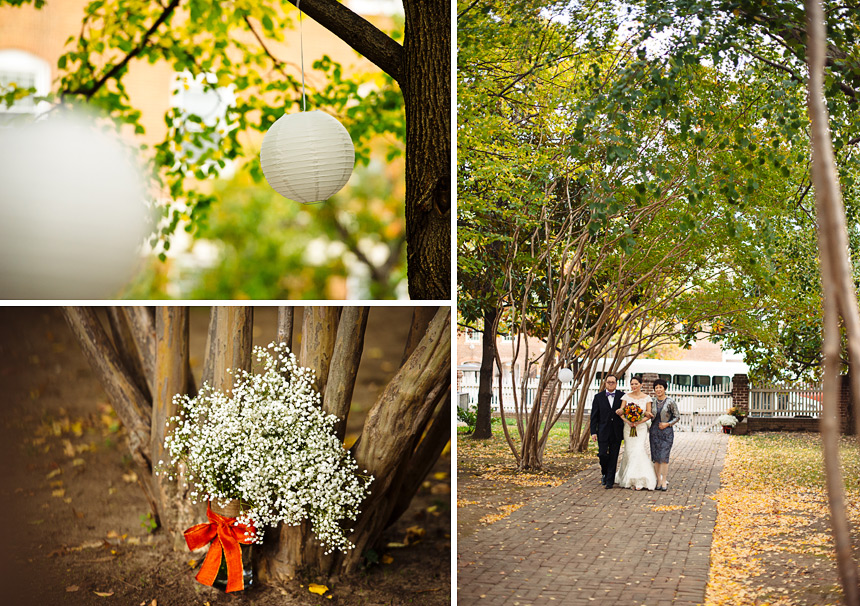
(700, 406)
(783, 401)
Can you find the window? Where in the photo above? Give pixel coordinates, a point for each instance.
(720, 380)
(682, 380)
(22, 70)
(667, 378)
(701, 380)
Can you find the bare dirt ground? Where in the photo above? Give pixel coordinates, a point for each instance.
(75, 521)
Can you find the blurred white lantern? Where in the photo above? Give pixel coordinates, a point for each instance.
(73, 212)
(307, 156)
(565, 375)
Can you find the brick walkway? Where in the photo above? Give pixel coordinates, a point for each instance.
(579, 543)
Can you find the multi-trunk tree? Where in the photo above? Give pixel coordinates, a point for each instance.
(583, 161)
(142, 360)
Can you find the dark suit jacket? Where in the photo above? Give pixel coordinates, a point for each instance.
(605, 423)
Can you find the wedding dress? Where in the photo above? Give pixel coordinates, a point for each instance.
(635, 469)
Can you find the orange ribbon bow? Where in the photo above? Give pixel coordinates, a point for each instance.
(224, 535)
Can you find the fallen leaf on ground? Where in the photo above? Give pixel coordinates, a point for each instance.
(87, 545)
(71, 588)
(130, 477)
(387, 559)
(192, 563)
(58, 493)
(54, 473)
(414, 534)
(440, 475)
(317, 589)
(103, 594)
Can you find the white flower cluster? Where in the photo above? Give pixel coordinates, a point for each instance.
(270, 445)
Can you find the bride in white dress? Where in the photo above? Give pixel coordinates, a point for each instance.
(635, 469)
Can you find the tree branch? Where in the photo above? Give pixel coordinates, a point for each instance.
(359, 33)
(345, 360)
(88, 93)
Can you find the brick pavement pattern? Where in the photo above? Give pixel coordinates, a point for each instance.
(579, 543)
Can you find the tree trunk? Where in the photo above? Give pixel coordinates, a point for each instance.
(126, 347)
(483, 424)
(390, 448)
(345, 361)
(228, 345)
(319, 332)
(427, 98)
(129, 403)
(141, 322)
(422, 67)
(286, 316)
(839, 296)
(171, 367)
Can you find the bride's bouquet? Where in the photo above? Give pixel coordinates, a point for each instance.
(634, 414)
(269, 446)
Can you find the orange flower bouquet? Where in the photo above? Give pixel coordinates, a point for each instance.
(634, 414)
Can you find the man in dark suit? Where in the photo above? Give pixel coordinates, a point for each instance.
(607, 429)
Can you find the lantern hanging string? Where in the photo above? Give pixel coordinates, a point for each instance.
(301, 53)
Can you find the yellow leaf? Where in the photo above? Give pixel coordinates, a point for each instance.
(103, 594)
(54, 473)
(387, 559)
(317, 589)
(440, 475)
(58, 493)
(192, 563)
(130, 477)
(78, 462)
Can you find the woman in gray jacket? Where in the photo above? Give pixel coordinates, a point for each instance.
(662, 435)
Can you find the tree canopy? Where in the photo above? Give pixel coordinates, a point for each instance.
(229, 48)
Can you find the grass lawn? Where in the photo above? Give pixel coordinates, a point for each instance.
(772, 541)
(488, 485)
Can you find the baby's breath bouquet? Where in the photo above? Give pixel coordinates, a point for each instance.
(270, 446)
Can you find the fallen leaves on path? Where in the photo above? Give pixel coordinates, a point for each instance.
(670, 507)
(504, 511)
(772, 542)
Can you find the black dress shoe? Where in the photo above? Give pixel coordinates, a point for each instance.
(603, 480)
(607, 486)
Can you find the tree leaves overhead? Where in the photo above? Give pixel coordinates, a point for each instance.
(688, 126)
(221, 47)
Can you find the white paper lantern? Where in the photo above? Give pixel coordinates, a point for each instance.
(73, 213)
(307, 156)
(565, 375)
